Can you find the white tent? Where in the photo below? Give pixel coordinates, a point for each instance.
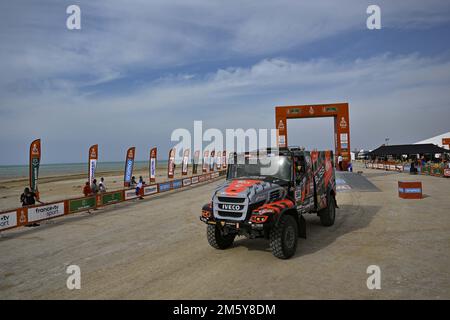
(436, 140)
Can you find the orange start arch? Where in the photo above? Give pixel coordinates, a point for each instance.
(339, 111)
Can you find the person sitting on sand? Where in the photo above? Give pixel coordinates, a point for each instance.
(94, 186)
(101, 185)
(87, 191)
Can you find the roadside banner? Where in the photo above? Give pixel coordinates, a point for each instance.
(184, 169)
(211, 159)
(224, 159)
(81, 204)
(153, 154)
(205, 161)
(93, 157)
(195, 161)
(112, 197)
(46, 211)
(129, 163)
(35, 160)
(8, 220)
(171, 163)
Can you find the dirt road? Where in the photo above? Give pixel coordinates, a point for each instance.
(157, 249)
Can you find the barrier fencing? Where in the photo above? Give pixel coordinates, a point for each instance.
(435, 169)
(24, 215)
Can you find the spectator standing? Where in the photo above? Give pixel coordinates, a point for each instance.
(101, 185)
(29, 198)
(340, 160)
(94, 186)
(87, 191)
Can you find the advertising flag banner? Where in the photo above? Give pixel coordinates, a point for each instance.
(205, 161)
(153, 153)
(219, 160)
(171, 163)
(195, 161)
(93, 157)
(35, 160)
(184, 170)
(224, 159)
(212, 158)
(129, 163)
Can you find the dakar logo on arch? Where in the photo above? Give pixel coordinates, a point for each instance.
(311, 110)
(93, 153)
(130, 153)
(343, 123)
(281, 125)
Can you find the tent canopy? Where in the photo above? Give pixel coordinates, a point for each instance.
(397, 150)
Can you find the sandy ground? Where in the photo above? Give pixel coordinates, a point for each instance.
(157, 249)
(65, 187)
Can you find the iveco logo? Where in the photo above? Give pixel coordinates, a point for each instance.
(234, 207)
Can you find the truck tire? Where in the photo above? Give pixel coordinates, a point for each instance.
(217, 239)
(328, 215)
(283, 237)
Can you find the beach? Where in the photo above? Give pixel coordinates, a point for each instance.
(66, 186)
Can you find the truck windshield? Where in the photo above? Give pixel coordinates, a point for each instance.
(278, 167)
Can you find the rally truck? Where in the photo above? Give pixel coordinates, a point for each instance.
(266, 194)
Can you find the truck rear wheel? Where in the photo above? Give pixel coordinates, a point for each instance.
(217, 237)
(328, 215)
(283, 237)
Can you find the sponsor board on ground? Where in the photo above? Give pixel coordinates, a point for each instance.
(81, 204)
(398, 167)
(177, 184)
(150, 190)
(112, 197)
(392, 167)
(187, 182)
(130, 194)
(8, 220)
(46, 212)
(446, 172)
(194, 180)
(164, 186)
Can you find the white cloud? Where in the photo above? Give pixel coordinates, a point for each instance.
(403, 97)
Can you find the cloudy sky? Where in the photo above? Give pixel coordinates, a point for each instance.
(139, 69)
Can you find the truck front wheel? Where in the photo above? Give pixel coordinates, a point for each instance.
(217, 238)
(283, 237)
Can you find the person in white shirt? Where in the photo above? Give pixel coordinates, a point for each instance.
(340, 160)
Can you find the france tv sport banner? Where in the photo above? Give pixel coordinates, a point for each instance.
(129, 163)
(195, 161)
(93, 157)
(211, 165)
(153, 154)
(35, 160)
(205, 161)
(171, 163)
(184, 169)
